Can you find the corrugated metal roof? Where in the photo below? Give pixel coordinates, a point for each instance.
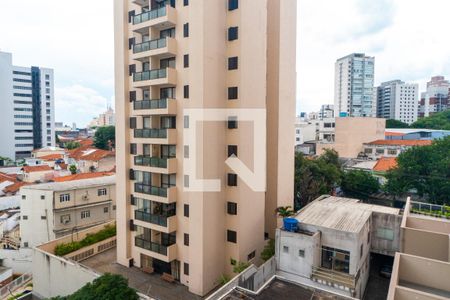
(73, 185)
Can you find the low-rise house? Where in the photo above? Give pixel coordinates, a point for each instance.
(38, 153)
(36, 173)
(390, 148)
(92, 159)
(415, 134)
(51, 210)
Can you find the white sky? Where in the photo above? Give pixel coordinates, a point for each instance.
(409, 39)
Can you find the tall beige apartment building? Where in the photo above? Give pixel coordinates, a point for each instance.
(175, 56)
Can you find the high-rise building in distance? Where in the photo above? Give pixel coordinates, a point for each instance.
(175, 56)
(354, 86)
(27, 108)
(436, 98)
(398, 100)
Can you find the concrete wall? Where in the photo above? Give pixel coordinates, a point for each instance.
(417, 242)
(387, 221)
(20, 261)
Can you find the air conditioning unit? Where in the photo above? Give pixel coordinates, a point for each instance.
(85, 197)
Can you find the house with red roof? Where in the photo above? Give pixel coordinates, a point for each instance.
(89, 159)
(390, 148)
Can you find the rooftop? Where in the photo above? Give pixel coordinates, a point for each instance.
(40, 168)
(82, 176)
(55, 156)
(49, 149)
(344, 214)
(384, 164)
(89, 153)
(401, 142)
(74, 184)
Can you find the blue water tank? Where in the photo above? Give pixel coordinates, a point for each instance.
(290, 224)
(343, 114)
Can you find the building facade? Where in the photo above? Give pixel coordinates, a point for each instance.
(398, 100)
(326, 111)
(436, 98)
(172, 56)
(27, 115)
(354, 86)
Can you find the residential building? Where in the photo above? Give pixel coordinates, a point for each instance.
(354, 86)
(27, 116)
(304, 131)
(90, 159)
(326, 111)
(436, 98)
(38, 173)
(415, 134)
(398, 100)
(51, 210)
(390, 148)
(172, 57)
(108, 118)
(326, 129)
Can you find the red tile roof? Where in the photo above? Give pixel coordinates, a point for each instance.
(82, 176)
(402, 142)
(51, 157)
(14, 188)
(86, 142)
(41, 168)
(87, 153)
(4, 177)
(394, 134)
(384, 164)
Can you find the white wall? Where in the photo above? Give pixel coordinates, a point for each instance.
(7, 107)
(18, 260)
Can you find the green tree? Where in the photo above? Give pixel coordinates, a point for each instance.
(105, 137)
(359, 184)
(315, 177)
(436, 121)
(269, 250)
(391, 123)
(73, 169)
(424, 169)
(73, 145)
(106, 287)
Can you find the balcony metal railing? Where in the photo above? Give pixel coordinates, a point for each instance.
(150, 190)
(150, 104)
(148, 161)
(150, 133)
(150, 75)
(149, 15)
(152, 246)
(150, 218)
(150, 45)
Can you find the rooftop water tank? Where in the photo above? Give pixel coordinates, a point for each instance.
(290, 224)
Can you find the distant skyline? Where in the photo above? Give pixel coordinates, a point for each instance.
(409, 42)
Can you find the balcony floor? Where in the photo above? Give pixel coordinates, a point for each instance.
(148, 284)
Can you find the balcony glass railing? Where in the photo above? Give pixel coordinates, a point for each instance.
(150, 190)
(148, 161)
(150, 218)
(150, 15)
(150, 104)
(150, 75)
(150, 45)
(150, 133)
(151, 246)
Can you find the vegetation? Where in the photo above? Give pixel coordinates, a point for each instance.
(436, 121)
(285, 211)
(5, 161)
(224, 279)
(423, 169)
(444, 213)
(73, 145)
(73, 169)
(106, 287)
(240, 266)
(105, 137)
(269, 250)
(391, 123)
(315, 177)
(359, 184)
(90, 239)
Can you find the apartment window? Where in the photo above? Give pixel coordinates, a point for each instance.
(64, 198)
(186, 60)
(251, 255)
(85, 214)
(24, 217)
(185, 2)
(24, 197)
(368, 151)
(232, 179)
(131, 42)
(232, 150)
(114, 207)
(131, 15)
(186, 30)
(301, 252)
(232, 93)
(65, 219)
(186, 121)
(231, 236)
(186, 181)
(232, 208)
(43, 218)
(186, 210)
(233, 4)
(47, 77)
(133, 149)
(233, 63)
(186, 92)
(380, 151)
(133, 123)
(186, 239)
(186, 269)
(25, 244)
(101, 192)
(392, 152)
(131, 69)
(42, 197)
(186, 151)
(285, 249)
(232, 33)
(132, 96)
(105, 210)
(232, 123)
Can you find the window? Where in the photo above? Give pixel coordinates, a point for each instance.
(361, 249)
(285, 249)
(186, 151)
(186, 30)
(43, 218)
(380, 151)
(133, 123)
(385, 234)
(232, 123)
(233, 4)
(231, 236)
(25, 244)
(65, 219)
(251, 255)
(186, 181)
(232, 208)
(186, 239)
(392, 152)
(301, 252)
(186, 92)
(186, 269)
(132, 96)
(185, 2)
(105, 210)
(24, 217)
(133, 149)
(186, 121)
(131, 69)
(64, 198)
(233, 63)
(232, 150)
(232, 93)
(42, 197)
(101, 192)
(85, 214)
(24, 197)
(186, 210)
(186, 60)
(232, 33)
(232, 179)
(114, 207)
(368, 151)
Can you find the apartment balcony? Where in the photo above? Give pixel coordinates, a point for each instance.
(155, 136)
(155, 164)
(153, 193)
(160, 223)
(162, 252)
(157, 77)
(160, 18)
(155, 107)
(160, 48)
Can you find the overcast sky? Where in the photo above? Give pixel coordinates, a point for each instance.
(409, 39)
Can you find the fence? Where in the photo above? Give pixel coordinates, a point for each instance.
(15, 284)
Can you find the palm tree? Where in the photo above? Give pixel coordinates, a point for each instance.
(285, 211)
